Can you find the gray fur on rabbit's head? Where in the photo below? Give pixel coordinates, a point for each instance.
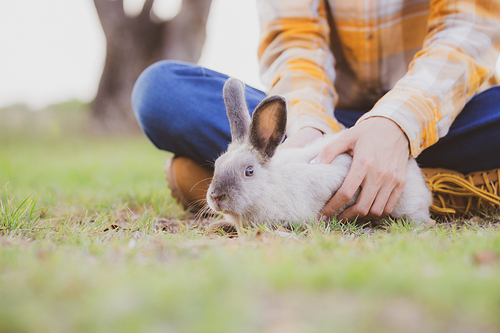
(241, 174)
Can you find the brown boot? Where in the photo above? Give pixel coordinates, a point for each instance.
(188, 182)
(458, 194)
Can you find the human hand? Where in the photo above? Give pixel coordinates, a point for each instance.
(301, 138)
(380, 154)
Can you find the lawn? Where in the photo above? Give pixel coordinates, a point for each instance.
(91, 241)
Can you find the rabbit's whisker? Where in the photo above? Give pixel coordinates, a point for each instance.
(203, 180)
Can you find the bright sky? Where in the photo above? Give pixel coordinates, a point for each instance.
(53, 50)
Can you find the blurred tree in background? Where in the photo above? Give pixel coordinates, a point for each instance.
(133, 43)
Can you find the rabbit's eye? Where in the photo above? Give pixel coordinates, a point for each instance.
(249, 171)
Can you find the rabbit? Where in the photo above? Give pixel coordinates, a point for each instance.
(256, 183)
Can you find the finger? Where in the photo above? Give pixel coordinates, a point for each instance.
(393, 199)
(330, 151)
(349, 215)
(344, 194)
(363, 204)
(387, 198)
(352, 182)
(372, 199)
(378, 208)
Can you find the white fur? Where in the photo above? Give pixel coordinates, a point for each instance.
(285, 187)
(289, 189)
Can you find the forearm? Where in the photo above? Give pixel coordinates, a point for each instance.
(459, 54)
(296, 62)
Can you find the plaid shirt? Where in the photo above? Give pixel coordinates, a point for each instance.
(414, 62)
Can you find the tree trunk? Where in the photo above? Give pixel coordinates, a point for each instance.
(134, 43)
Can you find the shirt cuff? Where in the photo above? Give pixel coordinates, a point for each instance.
(413, 117)
(303, 114)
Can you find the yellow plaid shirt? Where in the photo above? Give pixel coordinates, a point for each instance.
(415, 62)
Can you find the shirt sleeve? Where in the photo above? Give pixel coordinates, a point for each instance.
(459, 54)
(297, 63)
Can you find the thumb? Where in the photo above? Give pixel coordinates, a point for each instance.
(330, 151)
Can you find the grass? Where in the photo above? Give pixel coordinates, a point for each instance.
(91, 241)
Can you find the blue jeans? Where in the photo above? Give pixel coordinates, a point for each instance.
(180, 108)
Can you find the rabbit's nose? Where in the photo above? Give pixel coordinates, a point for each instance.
(218, 197)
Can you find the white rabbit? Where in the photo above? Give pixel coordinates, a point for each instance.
(256, 183)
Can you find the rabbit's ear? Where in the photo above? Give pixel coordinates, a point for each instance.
(268, 125)
(236, 108)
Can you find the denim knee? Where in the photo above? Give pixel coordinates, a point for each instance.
(180, 108)
(146, 95)
(158, 100)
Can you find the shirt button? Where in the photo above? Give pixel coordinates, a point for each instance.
(422, 142)
(368, 35)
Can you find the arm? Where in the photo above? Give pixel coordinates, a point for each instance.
(296, 62)
(458, 56)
